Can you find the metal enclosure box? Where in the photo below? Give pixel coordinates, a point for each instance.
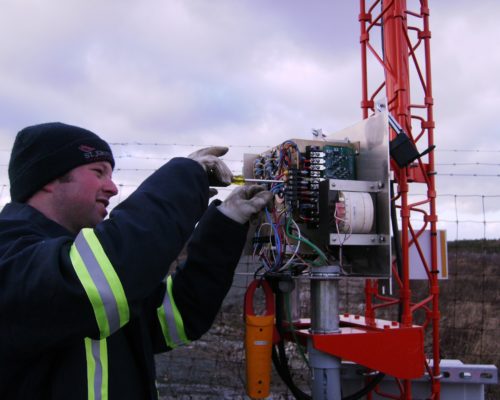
(369, 254)
(362, 254)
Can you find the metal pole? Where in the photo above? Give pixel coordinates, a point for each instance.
(324, 320)
(295, 302)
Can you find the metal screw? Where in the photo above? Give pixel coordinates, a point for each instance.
(465, 375)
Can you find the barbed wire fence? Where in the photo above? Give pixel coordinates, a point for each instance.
(213, 367)
(461, 227)
(462, 214)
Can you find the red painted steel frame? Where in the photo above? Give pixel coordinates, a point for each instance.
(376, 344)
(397, 40)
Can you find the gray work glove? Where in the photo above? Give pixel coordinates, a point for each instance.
(218, 172)
(245, 201)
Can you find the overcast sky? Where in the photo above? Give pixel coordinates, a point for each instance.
(241, 73)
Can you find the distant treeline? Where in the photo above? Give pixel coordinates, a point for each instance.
(488, 246)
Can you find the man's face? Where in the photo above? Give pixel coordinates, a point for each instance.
(83, 194)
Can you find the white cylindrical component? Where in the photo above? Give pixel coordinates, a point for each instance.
(359, 212)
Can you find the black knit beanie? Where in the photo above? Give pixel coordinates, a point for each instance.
(44, 152)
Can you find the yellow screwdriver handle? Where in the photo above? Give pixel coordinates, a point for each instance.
(238, 180)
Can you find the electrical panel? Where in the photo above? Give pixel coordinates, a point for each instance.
(331, 203)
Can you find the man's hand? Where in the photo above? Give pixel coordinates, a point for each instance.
(218, 172)
(245, 201)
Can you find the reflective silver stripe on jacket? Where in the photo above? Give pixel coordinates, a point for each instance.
(100, 281)
(171, 320)
(96, 352)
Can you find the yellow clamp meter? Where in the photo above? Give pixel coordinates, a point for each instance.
(258, 341)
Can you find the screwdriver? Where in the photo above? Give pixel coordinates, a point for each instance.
(241, 180)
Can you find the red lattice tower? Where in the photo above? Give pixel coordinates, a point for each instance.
(395, 44)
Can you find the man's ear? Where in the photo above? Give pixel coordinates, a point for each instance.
(39, 198)
(50, 187)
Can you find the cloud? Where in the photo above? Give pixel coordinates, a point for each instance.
(251, 72)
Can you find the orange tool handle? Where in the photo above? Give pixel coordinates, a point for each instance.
(258, 343)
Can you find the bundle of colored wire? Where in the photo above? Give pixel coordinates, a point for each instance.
(274, 228)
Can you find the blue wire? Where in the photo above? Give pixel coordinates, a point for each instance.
(277, 187)
(294, 145)
(277, 239)
(263, 261)
(265, 264)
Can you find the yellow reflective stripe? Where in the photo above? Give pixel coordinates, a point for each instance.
(100, 282)
(96, 353)
(179, 324)
(91, 290)
(103, 350)
(90, 369)
(164, 327)
(110, 274)
(171, 320)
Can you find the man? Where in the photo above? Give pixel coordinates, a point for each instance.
(85, 302)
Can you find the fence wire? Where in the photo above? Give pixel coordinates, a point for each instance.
(213, 367)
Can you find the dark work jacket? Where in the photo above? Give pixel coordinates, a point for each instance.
(86, 313)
